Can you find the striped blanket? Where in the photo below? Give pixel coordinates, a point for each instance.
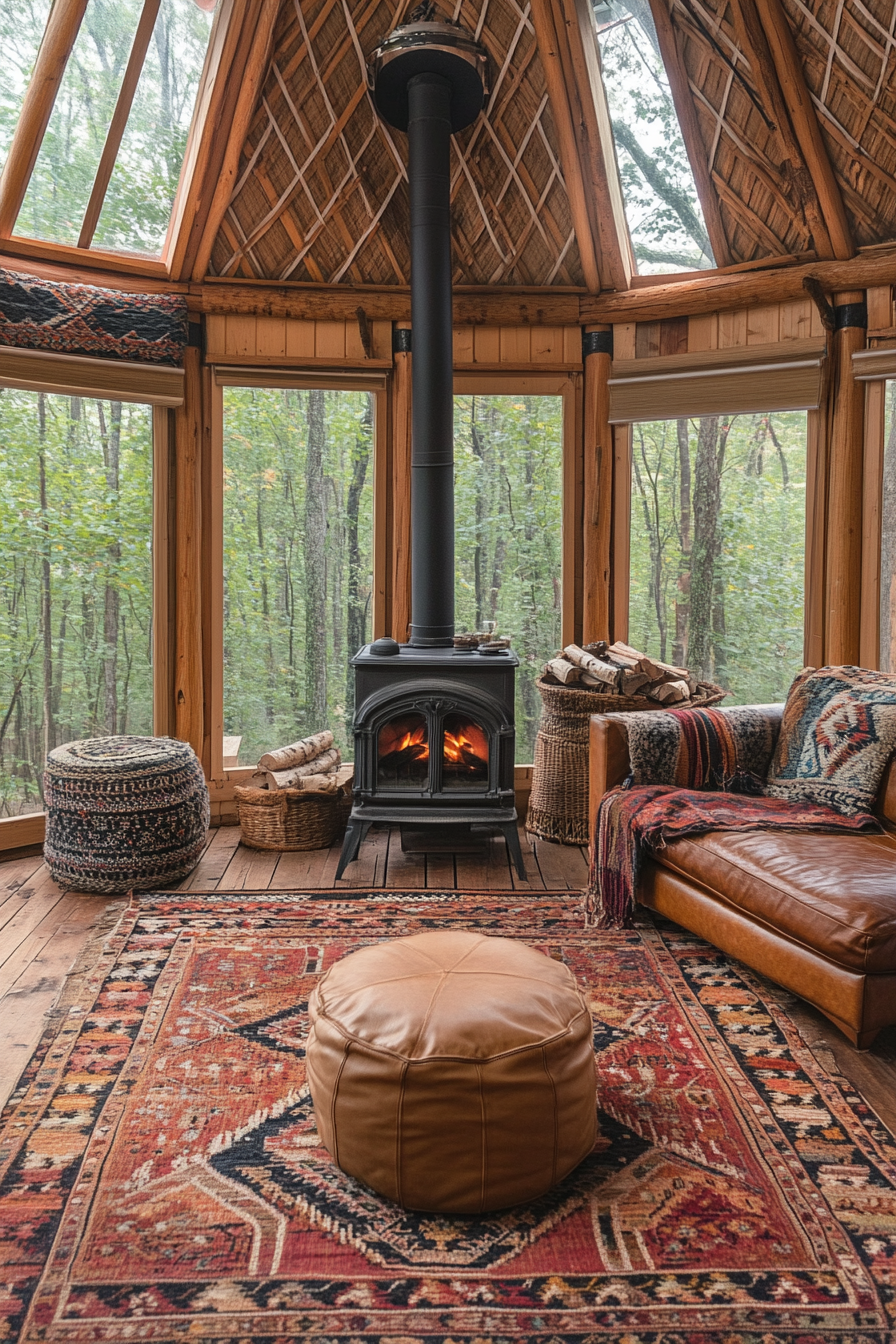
(714, 759)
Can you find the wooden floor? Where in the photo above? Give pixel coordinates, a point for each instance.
(44, 932)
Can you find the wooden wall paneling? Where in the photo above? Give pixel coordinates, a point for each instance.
(624, 340)
(732, 329)
(703, 333)
(515, 346)
(463, 345)
(548, 344)
(270, 337)
(880, 309)
(795, 323)
(844, 515)
(401, 494)
(162, 606)
(240, 336)
(816, 512)
(622, 519)
(487, 345)
(301, 339)
(763, 324)
(188, 686)
(873, 477)
(330, 340)
(572, 345)
(598, 497)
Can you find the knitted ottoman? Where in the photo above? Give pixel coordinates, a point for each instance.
(124, 813)
(451, 1071)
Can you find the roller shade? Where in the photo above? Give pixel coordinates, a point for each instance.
(868, 365)
(781, 377)
(76, 375)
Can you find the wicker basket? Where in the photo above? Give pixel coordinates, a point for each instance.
(558, 804)
(289, 818)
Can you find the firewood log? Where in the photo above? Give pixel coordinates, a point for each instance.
(326, 763)
(565, 671)
(593, 666)
(669, 692)
(654, 668)
(297, 753)
(630, 683)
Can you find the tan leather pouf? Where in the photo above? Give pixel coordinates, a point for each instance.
(452, 1072)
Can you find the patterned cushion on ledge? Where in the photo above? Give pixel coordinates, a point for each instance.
(124, 813)
(837, 735)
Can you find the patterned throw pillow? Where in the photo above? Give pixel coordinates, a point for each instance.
(837, 735)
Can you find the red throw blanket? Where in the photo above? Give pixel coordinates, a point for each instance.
(632, 821)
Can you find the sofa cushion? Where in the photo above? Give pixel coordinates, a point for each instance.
(833, 893)
(837, 735)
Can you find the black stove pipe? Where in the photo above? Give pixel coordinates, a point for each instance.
(432, 376)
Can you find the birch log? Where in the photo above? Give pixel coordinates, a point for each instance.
(327, 763)
(297, 753)
(563, 670)
(593, 666)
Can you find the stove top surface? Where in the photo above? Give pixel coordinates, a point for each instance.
(454, 660)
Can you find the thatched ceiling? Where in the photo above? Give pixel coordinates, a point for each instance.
(322, 187)
(786, 164)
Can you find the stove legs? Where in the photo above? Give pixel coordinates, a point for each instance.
(355, 832)
(512, 836)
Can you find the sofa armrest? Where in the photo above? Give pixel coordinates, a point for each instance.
(608, 760)
(885, 803)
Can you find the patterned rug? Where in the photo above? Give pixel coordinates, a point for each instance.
(161, 1178)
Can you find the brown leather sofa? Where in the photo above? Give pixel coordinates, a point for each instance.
(815, 913)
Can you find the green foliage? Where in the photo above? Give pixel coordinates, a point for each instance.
(141, 190)
(77, 551)
(757, 619)
(663, 211)
(266, 654)
(508, 507)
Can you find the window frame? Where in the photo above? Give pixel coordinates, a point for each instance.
(222, 779)
(30, 829)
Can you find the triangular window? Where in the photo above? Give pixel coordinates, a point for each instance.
(665, 219)
(110, 159)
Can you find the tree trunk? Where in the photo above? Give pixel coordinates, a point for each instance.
(650, 507)
(707, 503)
(683, 596)
(111, 440)
(888, 542)
(479, 559)
(315, 568)
(356, 606)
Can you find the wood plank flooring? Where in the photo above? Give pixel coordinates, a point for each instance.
(44, 931)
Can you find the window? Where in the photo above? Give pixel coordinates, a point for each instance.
(665, 218)
(75, 580)
(508, 530)
(298, 548)
(128, 89)
(717, 548)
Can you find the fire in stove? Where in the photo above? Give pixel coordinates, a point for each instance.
(403, 751)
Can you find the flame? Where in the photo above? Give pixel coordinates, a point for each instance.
(415, 739)
(457, 747)
(454, 745)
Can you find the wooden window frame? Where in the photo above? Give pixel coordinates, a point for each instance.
(223, 779)
(569, 386)
(16, 832)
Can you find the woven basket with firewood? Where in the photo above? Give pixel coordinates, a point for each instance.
(298, 798)
(579, 682)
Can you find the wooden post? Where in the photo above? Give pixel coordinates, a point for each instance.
(189, 710)
(55, 48)
(846, 448)
(598, 348)
(401, 483)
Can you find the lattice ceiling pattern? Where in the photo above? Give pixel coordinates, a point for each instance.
(322, 188)
(847, 51)
(761, 196)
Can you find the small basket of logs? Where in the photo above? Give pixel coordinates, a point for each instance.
(298, 798)
(600, 678)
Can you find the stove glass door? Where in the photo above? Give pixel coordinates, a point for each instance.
(403, 754)
(464, 754)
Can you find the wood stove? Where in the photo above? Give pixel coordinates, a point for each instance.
(434, 725)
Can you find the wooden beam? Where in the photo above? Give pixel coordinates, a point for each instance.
(37, 106)
(598, 503)
(229, 47)
(686, 111)
(117, 270)
(594, 138)
(843, 531)
(132, 73)
(707, 294)
(789, 69)
(251, 85)
(556, 79)
(189, 714)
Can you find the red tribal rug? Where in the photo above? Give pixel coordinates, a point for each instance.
(162, 1178)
